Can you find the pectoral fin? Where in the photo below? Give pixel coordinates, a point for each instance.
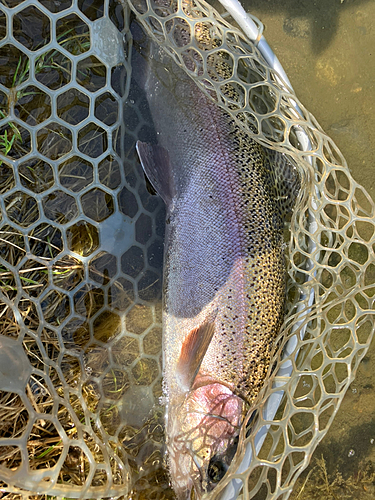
(156, 164)
(192, 353)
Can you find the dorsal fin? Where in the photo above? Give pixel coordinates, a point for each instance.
(156, 164)
(192, 353)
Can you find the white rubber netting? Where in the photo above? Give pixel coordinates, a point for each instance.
(330, 319)
(81, 256)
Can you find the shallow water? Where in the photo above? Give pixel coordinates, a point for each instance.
(327, 49)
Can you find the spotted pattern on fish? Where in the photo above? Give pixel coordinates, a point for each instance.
(243, 367)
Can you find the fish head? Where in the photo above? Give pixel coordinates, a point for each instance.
(202, 439)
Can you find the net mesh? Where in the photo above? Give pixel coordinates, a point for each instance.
(80, 257)
(331, 251)
(81, 254)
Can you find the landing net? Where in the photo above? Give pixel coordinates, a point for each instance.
(81, 255)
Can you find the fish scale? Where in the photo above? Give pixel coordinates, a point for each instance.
(262, 276)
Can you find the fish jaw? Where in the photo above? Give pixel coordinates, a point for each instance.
(201, 438)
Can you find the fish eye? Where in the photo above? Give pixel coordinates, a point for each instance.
(216, 469)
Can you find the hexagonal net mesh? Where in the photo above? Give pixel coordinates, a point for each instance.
(80, 257)
(81, 254)
(331, 287)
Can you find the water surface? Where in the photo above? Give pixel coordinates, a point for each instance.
(327, 48)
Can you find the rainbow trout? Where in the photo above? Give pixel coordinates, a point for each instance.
(224, 278)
